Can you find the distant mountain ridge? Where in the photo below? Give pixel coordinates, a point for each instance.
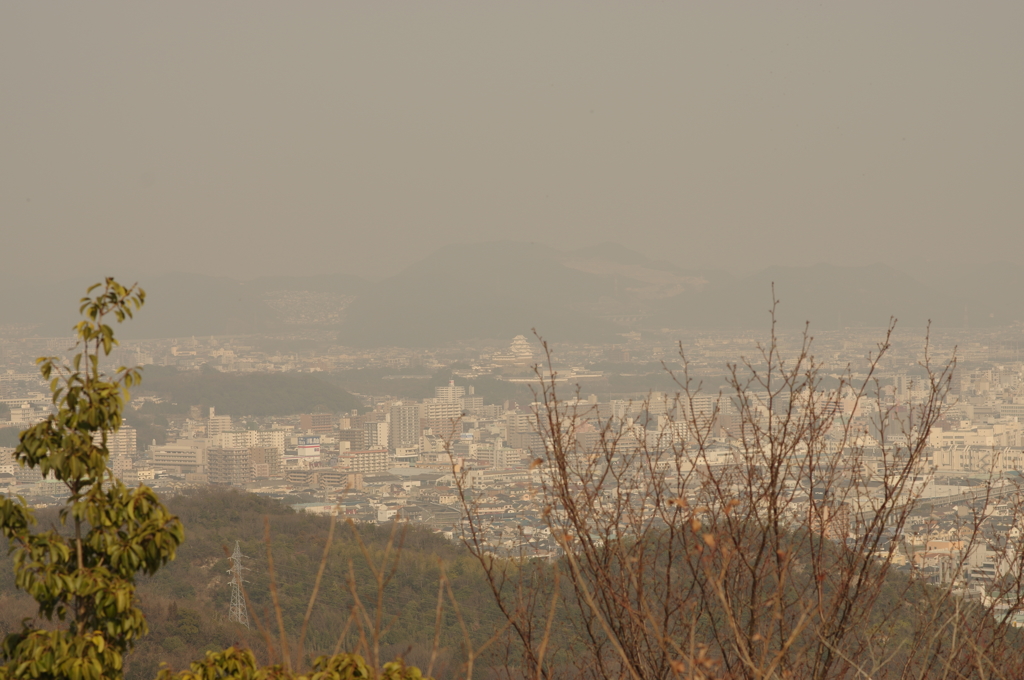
(502, 289)
(181, 305)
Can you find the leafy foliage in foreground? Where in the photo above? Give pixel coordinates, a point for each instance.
(241, 664)
(86, 579)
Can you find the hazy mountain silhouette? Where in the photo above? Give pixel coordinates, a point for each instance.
(828, 296)
(179, 305)
(502, 289)
(492, 290)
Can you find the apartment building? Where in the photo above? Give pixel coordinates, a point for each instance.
(217, 424)
(376, 435)
(367, 462)
(317, 423)
(443, 418)
(406, 427)
(123, 442)
(232, 467)
(185, 456)
(266, 461)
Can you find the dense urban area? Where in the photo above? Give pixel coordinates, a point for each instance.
(396, 455)
(511, 341)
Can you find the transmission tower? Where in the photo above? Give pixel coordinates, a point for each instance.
(237, 611)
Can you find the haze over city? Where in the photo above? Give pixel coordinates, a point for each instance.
(242, 139)
(531, 340)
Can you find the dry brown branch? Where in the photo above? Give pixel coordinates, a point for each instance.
(316, 587)
(770, 529)
(344, 632)
(441, 581)
(382, 574)
(546, 638)
(285, 651)
(471, 653)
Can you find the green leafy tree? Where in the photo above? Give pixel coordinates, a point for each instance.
(241, 664)
(83, 574)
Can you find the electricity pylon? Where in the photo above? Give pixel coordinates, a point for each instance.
(237, 611)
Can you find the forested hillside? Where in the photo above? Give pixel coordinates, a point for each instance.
(186, 603)
(246, 394)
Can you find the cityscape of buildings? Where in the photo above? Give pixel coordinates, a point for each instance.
(399, 457)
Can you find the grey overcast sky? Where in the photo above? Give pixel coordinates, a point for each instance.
(245, 138)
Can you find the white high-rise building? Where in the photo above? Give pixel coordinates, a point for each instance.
(236, 439)
(444, 418)
(405, 426)
(450, 393)
(376, 435)
(271, 439)
(185, 456)
(217, 424)
(124, 442)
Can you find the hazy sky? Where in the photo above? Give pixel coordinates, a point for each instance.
(268, 137)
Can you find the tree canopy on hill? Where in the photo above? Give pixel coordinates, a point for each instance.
(252, 394)
(186, 602)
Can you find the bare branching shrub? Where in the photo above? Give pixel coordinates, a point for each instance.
(775, 529)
